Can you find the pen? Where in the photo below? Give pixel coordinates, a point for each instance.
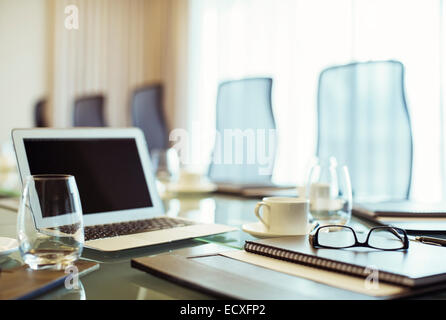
(430, 240)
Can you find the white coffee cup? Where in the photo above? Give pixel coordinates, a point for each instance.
(283, 215)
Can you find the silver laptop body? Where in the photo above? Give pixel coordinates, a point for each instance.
(113, 172)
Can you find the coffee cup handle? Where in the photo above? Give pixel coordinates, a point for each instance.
(257, 212)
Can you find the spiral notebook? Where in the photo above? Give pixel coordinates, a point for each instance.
(420, 265)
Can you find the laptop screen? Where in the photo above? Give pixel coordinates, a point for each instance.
(108, 172)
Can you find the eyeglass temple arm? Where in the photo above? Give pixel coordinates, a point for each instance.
(393, 230)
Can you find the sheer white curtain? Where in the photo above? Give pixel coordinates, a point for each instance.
(117, 48)
(292, 41)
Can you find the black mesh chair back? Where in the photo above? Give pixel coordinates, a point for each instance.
(147, 114)
(363, 121)
(89, 111)
(39, 114)
(244, 118)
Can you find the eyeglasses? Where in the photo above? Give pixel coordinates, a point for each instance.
(341, 237)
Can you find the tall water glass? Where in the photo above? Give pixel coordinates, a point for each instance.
(329, 191)
(50, 227)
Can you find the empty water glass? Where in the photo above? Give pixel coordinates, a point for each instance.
(49, 224)
(330, 193)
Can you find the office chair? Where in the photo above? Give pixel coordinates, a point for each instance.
(89, 111)
(243, 106)
(39, 114)
(363, 121)
(147, 114)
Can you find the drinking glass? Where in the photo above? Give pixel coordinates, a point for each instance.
(50, 227)
(329, 191)
(166, 164)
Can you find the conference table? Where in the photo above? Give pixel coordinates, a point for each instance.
(116, 279)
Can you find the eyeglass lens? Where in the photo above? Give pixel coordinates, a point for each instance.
(387, 238)
(336, 237)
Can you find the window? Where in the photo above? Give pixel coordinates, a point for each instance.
(292, 41)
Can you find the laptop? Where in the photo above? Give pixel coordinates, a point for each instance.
(120, 203)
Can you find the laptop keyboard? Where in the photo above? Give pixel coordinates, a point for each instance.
(132, 227)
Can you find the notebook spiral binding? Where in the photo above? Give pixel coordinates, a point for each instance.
(323, 263)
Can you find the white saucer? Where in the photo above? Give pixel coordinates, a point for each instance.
(258, 229)
(199, 188)
(8, 246)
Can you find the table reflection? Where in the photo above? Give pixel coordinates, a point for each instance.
(211, 208)
(66, 294)
(193, 208)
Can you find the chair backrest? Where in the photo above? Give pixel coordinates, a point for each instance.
(39, 114)
(244, 118)
(89, 111)
(148, 115)
(363, 121)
